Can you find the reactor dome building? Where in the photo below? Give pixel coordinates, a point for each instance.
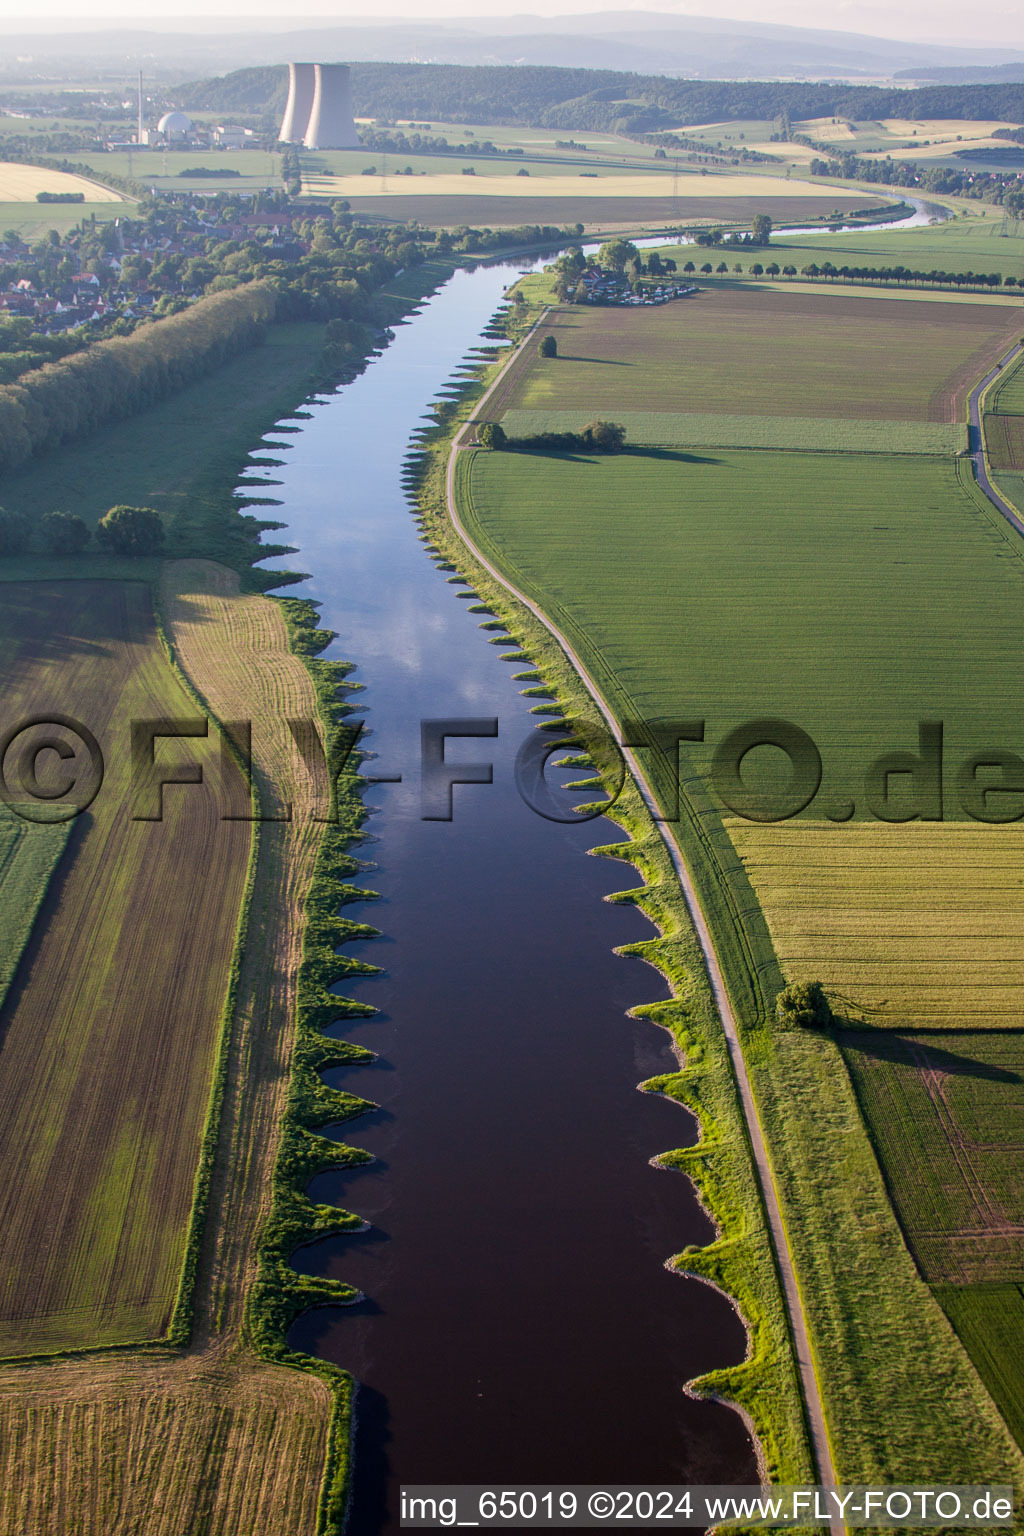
(319, 110)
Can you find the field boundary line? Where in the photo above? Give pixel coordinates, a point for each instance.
(803, 1350)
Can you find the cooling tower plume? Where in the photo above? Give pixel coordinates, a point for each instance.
(301, 82)
(331, 124)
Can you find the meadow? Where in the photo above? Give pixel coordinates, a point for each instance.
(111, 1036)
(182, 454)
(732, 350)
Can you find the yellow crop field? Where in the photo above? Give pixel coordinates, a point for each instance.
(20, 183)
(913, 925)
(529, 187)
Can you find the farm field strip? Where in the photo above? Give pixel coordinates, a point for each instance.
(810, 355)
(20, 183)
(618, 184)
(701, 429)
(108, 1045)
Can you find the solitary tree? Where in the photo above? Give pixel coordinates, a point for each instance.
(548, 347)
(706, 269)
(491, 435)
(63, 533)
(689, 267)
(131, 531)
(761, 228)
(757, 270)
(723, 266)
(804, 1005)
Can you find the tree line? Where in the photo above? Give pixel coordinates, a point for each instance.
(120, 376)
(919, 175)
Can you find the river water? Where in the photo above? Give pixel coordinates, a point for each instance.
(518, 1325)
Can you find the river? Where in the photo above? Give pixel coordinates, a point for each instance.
(518, 1324)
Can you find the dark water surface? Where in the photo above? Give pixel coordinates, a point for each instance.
(518, 1326)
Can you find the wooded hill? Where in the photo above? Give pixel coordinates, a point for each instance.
(598, 98)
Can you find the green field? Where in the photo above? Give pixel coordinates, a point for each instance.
(981, 242)
(698, 429)
(742, 350)
(947, 1117)
(33, 220)
(990, 1321)
(29, 855)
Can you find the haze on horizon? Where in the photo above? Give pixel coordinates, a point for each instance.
(990, 23)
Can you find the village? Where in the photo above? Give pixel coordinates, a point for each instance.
(101, 274)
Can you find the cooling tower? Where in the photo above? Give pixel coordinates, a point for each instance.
(301, 81)
(331, 125)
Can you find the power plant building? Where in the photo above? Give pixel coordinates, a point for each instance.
(319, 110)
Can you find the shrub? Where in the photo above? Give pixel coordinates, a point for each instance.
(131, 531)
(63, 533)
(491, 435)
(548, 347)
(604, 436)
(804, 1005)
(14, 533)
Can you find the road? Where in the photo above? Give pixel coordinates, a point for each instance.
(794, 1303)
(976, 446)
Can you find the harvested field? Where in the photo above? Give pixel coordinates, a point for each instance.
(29, 855)
(990, 1322)
(108, 1043)
(946, 1115)
(121, 1447)
(20, 183)
(801, 354)
(700, 429)
(583, 207)
(1004, 441)
(635, 186)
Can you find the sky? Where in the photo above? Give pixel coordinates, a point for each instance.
(986, 23)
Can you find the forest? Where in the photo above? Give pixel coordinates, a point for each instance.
(598, 98)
